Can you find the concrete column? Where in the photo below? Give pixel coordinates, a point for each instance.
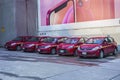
(26, 12)
(17, 18)
(7, 20)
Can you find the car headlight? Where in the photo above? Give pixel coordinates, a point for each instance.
(13, 44)
(47, 46)
(96, 48)
(70, 47)
(31, 45)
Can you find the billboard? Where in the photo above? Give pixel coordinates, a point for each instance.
(54, 12)
(76, 14)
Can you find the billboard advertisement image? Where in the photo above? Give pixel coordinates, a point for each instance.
(71, 11)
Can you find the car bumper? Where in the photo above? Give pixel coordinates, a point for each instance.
(29, 49)
(10, 47)
(89, 53)
(65, 52)
(44, 50)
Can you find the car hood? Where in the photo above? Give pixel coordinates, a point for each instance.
(45, 44)
(10, 42)
(65, 45)
(27, 43)
(89, 46)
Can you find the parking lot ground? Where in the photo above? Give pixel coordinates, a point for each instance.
(18, 65)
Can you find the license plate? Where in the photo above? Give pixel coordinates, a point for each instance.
(84, 53)
(61, 51)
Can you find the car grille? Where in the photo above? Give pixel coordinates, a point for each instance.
(63, 50)
(41, 47)
(86, 49)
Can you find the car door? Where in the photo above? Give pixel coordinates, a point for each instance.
(108, 45)
(105, 46)
(111, 44)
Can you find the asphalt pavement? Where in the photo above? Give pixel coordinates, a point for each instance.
(18, 65)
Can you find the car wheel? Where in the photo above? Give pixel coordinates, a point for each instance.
(18, 48)
(24, 50)
(115, 51)
(60, 54)
(80, 56)
(101, 54)
(53, 51)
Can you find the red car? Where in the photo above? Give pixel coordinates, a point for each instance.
(50, 44)
(16, 43)
(31, 44)
(69, 47)
(98, 47)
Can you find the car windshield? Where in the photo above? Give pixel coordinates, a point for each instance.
(71, 41)
(50, 40)
(33, 39)
(18, 39)
(94, 41)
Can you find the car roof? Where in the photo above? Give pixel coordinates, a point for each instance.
(74, 37)
(57, 37)
(98, 37)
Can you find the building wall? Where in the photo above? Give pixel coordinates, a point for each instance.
(17, 17)
(26, 14)
(7, 25)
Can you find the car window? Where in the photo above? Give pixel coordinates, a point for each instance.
(34, 39)
(61, 40)
(50, 40)
(74, 41)
(94, 41)
(71, 41)
(26, 38)
(109, 39)
(82, 40)
(18, 39)
(42, 39)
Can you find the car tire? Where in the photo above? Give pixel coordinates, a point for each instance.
(53, 51)
(101, 55)
(80, 57)
(60, 54)
(115, 52)
(24, 50)
(18, 48)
